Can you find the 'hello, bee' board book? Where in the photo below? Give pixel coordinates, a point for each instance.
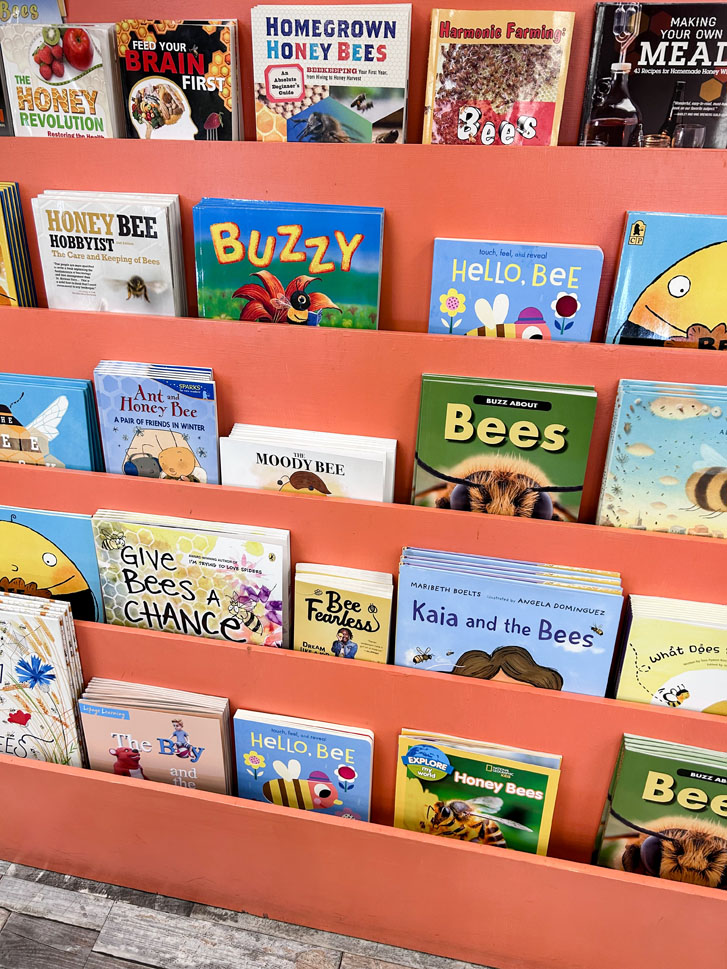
(62, 80)
(212, 579)
(51, 555)
(516, 290)
(158, 421)
(17, 287)
(496, 77)
(671, 287)
(338, 74)
(155, 734)
(469, 790)
(675, 655)
(666, 813)
(503, 447)
(666, 466)
(304, 764)
(280, 262)
(179, 79)
(113, 252)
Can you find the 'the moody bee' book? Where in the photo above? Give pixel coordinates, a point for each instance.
(280, 262)
(671, 286)
(305, 764)
(502, 447)
(517, 290)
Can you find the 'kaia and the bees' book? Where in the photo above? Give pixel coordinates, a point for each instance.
(503, 447)
(666, 813)
(334, 74)
(179, 79)
(280, 262)
(666, 468)
(496, 77)
(516, 290)
(671, 287)
(304, 764)
(62, 80)
(17, 287)
(211, 579)
(158, 421)
(469, 790)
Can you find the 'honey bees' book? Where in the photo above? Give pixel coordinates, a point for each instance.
(305, 764)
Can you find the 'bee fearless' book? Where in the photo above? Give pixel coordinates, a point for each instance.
(305, 764)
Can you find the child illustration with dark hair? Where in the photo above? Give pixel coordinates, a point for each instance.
(508, 664)
(343, 645)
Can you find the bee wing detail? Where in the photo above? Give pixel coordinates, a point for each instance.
(157, 287)
(118, 284)
(484, 312)
(493, 804)
(289, 771)
(509, 824)
(500, 308)
(281, 302)
(47, 422)
(710, 459)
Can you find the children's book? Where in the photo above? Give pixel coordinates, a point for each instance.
(671, 287)
(666, 813)
(473, 791)
(666, 466)
(338, 74)
(496, 77)
(279, 262)
(180, 79)
(52, 555)
(304, 764)
(37, 12)
(211, 579)
(516, 290)
(158, 421)
(503, 447)
(17, 287)
(62, 80)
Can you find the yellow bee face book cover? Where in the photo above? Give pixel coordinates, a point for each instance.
(331, 619)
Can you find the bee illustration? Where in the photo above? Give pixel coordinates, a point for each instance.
(315, 793)
(270, 303)
(422, 655)
(450, 652)
(362, 103)
(530, 324)
(388, 137)
(463, 820)
(138, 288)
(304, 481)
(31, 444)
(321, 128)
(111, 540)
(498, 485)
(707, 487)
(675, 696)
(246, 617)
(597, 630)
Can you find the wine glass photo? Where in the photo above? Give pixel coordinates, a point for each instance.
(689, 136)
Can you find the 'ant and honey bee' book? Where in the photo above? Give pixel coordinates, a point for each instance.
(496, 77)
(469, 790)
(304, 764)
(666, 813)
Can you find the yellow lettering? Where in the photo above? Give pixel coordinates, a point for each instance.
(554, 437)
(226, 242)
(524, 434)
(321, 244)
(267, 256)
(572, 278)
(458, 272)
(658, 787)
(492, 431)
(692, 798)
(458, 423)
(289, 254)
(539, 277)
(348, 248)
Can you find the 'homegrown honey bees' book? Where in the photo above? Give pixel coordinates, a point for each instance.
(666, 813)
(496, 77)
(305, 764)
(211, 579)
(666, 466)
(671, 287)
(338, 74)
(17, 287)
(158, 421)
(180, 79)
(293, 263)
(516, 290)
(469, 790)
(503, 447)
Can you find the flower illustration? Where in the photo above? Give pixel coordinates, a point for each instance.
(451, 302)
(347, 815)
(35, 672)
(565, 305)
(254, 763)
(346, 776)
(347, 322)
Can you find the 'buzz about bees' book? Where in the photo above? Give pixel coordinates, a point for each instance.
(305, 764)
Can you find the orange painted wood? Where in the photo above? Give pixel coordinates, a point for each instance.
(487, 905)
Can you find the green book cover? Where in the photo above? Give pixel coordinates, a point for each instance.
(503, 447)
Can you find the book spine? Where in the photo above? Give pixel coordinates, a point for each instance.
(431, 79)
(592, 70)
(609, 453)
(614, 325)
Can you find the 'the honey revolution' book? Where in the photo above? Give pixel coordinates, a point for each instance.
(496, 77)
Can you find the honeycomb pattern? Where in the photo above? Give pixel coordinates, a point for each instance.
(270, 126)
(710, 90)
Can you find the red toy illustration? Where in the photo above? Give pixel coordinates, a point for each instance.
(19, 717)
(127, 762)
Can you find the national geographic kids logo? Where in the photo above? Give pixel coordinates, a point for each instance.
(427, 763)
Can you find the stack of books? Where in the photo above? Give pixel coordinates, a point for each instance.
(17, 287)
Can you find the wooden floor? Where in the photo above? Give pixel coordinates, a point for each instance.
(52, 921)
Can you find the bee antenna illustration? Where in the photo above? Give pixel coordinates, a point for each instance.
(16, 401)
(285, 478)
(637, 827)
(472, 484)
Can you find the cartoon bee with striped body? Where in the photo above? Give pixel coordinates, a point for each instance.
(246, 617)
(465, 821)
(31, 444)
(422, 655)
(315, 793)
(111, 540)
(675, 696)
(707, 487)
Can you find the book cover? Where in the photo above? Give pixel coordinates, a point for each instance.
(496, 77)
(331, 619)
(335, 75)
(671, 288)
(158, 428)
(61, 80)
(9, 283)
(303, 765)
(516, 290)
(37, 12)
(278, 262)
(51, 555)
(502, 447)
(177, 79)
(670, 71)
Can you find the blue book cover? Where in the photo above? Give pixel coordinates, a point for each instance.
(47, 421)
(304, 764)
(51, 555)
(506, 630)
(517, 290)
(671, 287)
(284, 262)
(158, 427)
